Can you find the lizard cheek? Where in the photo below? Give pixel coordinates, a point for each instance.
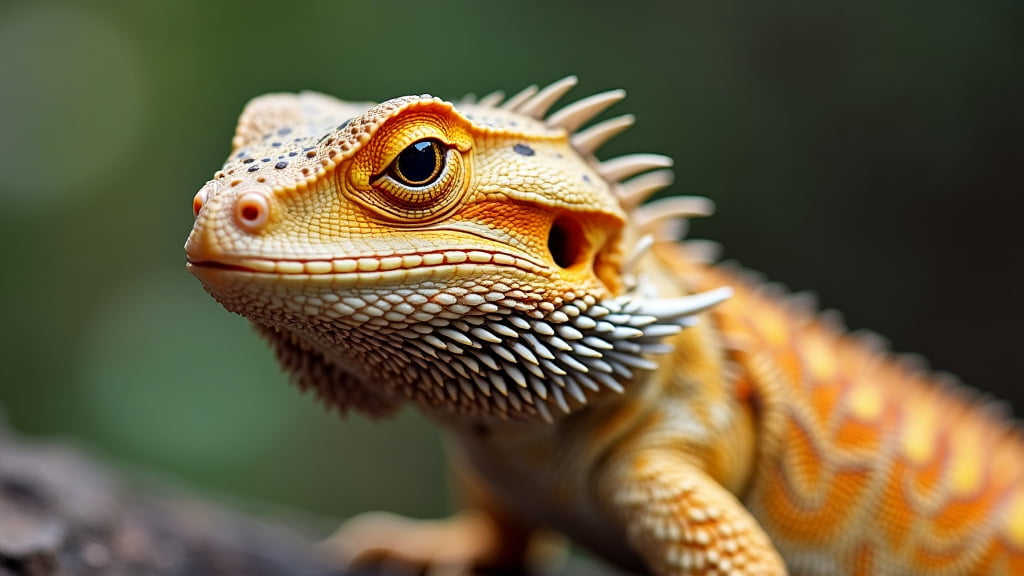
(252, 211)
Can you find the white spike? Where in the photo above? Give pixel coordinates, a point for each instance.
(485, 335)
(539, 388)
(634, 191)
(622, 371)
(525, 353)
(673, 308)
(434, 341)
(620, 167)
(704, 251)
(517, 404)
(503, 330)
(520, 323)
(470, 363)
(559, 316)
(491, 100)
(633, 361)
(540, 349)
(489, 362)
(574, 364)
(560, 400)
(525, 94)
(580, 112)
(574, 390)
(609, 381)
(524, 394)
(587, 381)
(569, 333)
(639, 250)
(456, 336)
(539, 105)
(598, 343)
(542, 328)
(583, 323)
(626, 333)
(504, 353)
(516, 375)
(558, 344)
(542, 408)
(648, 217)
(659, 331)
(498, 382)
(585, 352)
(587, 141)
(669, 229)
(600, 366)
(553, 370)
(482, 385)
(468, 99)
(535, 369)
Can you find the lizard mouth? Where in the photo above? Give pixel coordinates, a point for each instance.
(399, 265)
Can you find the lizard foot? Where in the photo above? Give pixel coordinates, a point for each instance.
(469, 543)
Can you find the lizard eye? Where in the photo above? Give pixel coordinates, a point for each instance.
(413, 182)
(420, 164)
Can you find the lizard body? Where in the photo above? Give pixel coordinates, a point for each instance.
(596, 376)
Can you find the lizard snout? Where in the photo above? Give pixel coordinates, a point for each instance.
(226, 219)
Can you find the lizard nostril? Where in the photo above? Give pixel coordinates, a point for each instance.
(199, 200)
(252, 211)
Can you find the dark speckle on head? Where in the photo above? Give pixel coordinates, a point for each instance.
(266, 160)
(281, 165)
(241, 154)
(523, 150)
(284, 131)
(254, 168)
(586, 179)
(343, 124)
(276, 144)
(248, 161)
(293, 153)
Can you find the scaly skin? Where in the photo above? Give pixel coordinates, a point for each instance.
(476, 260)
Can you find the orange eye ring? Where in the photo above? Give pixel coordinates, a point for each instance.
(420, 188)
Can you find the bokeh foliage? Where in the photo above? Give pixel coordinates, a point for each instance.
(872, 153)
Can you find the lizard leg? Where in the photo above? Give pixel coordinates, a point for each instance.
(681, 521)
(481, 536)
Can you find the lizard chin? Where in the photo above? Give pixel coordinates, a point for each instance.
(455, 350)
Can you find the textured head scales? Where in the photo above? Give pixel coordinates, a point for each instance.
(469, 258)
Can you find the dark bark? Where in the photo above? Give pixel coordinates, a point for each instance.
(62, 513)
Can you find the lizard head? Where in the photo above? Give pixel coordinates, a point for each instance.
(466, 257)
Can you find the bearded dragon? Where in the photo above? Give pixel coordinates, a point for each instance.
(596, 376)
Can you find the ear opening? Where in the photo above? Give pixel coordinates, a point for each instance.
(567, 242)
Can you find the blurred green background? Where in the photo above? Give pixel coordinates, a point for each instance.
(871, 153)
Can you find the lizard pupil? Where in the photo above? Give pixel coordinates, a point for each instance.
(419, 164)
